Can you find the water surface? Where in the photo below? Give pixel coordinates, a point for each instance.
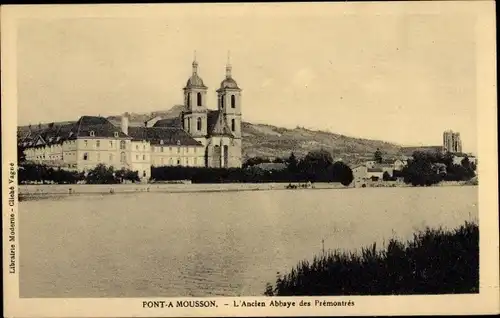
(206, 244)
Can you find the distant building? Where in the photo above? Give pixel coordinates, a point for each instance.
(407, 152)
(452, 142)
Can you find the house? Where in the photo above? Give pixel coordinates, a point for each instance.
(359, 174)
(374, 174)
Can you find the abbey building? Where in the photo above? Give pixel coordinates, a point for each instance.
(199, 137)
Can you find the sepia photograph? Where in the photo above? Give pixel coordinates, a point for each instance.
(263, 159)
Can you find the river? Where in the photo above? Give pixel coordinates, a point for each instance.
(211, 244)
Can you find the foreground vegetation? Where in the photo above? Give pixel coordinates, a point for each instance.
(434, 262)
(101, 174)
(317, 166)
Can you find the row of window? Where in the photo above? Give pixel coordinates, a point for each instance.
(233, 102)
(92, 134)
(199, 124)
(199, 101)
(111, 158)
(178, 149)
(176, 161)
(98, 144)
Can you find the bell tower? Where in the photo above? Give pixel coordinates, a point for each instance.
(229, 101)
(194, 115)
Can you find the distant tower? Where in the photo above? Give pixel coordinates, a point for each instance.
(452, 142)
(229, 101)
(194, 116)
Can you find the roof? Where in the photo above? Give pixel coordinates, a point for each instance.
(195, 80)
(99, 125)
(230, 83)
(57, 133)
(217, 125)
(169, 136)
(169, 122)
(358, 166)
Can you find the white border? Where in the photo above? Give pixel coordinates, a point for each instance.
(487, 301)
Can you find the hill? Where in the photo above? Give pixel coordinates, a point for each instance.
(270, 141)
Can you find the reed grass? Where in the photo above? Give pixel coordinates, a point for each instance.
(435, 261)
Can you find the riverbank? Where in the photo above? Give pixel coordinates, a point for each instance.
(59, 189)
(43, 190)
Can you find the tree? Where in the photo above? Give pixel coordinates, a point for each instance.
(255, 161)
(101, 175)
(315, 165)
(377, 156)
(342, 173)
(386, 176)
(20, 154)
(292, 163)
(420, 171)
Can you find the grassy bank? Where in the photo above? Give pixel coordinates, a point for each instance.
(435, 261)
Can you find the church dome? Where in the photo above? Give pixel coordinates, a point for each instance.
(228, 83)
(195, 81)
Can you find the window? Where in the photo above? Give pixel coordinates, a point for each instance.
(233, 124)
(170, 149)
(178, 162)
(116, 134)
(161, 143)
(170, 161)
(233, 101)
(144, 147)
(222, 101)
(111, 144)
(162, 161)
(86, 143)
(98, 143)
(198, 99)
(98, 156)
(144, 157)
(122, 156)
(122, 144)
(136, 147)
(178, 149)
(92, 134)
(188, 124)
(188, 102)
(110, 157)
(198, 124)
(85, 156)
(161, 149)
(195, 161)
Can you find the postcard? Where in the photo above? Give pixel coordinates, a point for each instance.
(262, 159)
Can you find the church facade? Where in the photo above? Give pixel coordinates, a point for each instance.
(200, 137)
(219, 131)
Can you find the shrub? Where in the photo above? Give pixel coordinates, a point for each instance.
(434, 262)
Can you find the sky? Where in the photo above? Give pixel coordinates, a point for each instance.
(398, 76)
